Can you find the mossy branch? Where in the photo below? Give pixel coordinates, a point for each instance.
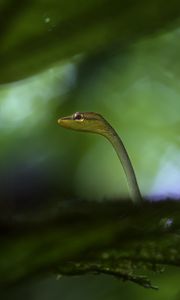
(115, 238)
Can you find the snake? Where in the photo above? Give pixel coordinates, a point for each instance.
(95, 123)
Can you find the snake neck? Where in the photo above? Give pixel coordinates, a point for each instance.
(120, 149)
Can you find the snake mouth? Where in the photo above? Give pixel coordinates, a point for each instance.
(61, 120)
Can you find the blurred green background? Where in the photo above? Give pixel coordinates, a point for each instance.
(121, 59)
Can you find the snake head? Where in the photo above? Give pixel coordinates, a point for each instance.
(84, 121)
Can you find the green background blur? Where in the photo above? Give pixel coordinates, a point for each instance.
(121, 59)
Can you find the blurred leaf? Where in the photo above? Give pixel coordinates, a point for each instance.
(35, 35)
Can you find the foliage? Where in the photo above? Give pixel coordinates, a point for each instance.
(113, 238)
(35, 35)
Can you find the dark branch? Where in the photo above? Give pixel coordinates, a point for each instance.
(115, 238)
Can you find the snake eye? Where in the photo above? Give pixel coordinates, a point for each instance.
(78, 116)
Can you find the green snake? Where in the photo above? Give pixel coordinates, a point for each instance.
(95, 123)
